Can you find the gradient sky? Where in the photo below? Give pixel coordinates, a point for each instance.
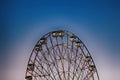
(95, 22)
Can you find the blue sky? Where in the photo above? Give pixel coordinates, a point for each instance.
(97, 23)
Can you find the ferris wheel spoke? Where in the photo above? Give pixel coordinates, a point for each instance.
(79, 67)
(74, 72)
(62, 57)
(69, 63)
(38, 74)
(49, 64)
(82, 68)
(89, 75)
(43, 75)
(45, 69)
(46, 64)
(62, 60)
(55, 59)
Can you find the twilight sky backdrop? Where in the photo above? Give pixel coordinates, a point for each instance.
(96, 23)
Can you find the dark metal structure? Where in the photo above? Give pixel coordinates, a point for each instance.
(60, 55)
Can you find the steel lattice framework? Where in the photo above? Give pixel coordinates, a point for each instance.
(60, 55)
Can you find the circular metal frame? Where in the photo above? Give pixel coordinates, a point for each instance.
(60, 55)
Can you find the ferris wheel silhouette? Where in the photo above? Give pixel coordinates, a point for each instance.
(60, 55)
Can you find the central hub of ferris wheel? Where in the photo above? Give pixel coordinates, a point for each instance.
(60, 55)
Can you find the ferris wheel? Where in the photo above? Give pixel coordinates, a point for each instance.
(60, 55)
